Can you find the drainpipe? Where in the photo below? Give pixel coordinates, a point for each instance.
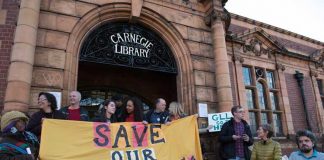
(300, 77)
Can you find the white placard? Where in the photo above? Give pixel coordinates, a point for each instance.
(202, 110)
(58, 97)
(218, 119)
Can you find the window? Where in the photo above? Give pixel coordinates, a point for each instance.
(321, 91)
(277, 124)
(253, 123)
(247, 76)
(264, 118)
(274, 103)
(262, 98)
(261, 95)
(92, 98)
(270, 79)
(249, 98)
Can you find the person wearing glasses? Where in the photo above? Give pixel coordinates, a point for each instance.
(48, 109)
(235, 137)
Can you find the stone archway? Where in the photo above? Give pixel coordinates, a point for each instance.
(148, 18)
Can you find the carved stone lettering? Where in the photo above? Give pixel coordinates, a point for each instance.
(48, 78)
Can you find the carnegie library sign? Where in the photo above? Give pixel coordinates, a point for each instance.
(129, 45)
(131, 38)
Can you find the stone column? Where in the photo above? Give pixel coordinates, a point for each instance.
(222, 73)
(22, 57)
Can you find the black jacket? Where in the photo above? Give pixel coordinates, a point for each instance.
(83, 113)
(164, 116)
(35, 123)
(102, 118)
(227, 149)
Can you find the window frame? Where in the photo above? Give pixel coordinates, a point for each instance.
(267, 91)
(321, 90)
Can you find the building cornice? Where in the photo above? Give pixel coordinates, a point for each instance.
(277, 29)
(234, 38)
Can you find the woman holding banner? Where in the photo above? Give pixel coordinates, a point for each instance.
(266, 148)
(132, 111)
(108, 115)
(176, 111)
(48, 109)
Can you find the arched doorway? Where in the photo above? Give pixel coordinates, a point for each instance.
(125, 59)
(110, 13)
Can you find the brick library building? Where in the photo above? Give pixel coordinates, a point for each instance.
(190, 51)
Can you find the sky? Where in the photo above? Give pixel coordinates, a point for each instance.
(304, 17)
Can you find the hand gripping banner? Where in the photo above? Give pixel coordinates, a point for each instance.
(76, 140)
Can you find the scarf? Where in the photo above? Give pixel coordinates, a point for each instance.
(15, 142)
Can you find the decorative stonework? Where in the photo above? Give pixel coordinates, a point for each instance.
(257, 47)
(256, 41)
(218, 15)
(280, 66)
(313, 73)
(136, 8)
(48, 78)
(318, 58)
(238, 58)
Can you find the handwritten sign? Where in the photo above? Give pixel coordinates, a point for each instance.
(218, 119)
(77, 140)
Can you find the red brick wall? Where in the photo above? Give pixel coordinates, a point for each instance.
(296, 103)
(311, 104)
(6, 38)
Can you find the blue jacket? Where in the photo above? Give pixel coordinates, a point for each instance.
(164, 116)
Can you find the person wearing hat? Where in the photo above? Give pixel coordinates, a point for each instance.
(15, 142)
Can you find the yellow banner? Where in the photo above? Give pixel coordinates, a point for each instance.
(76, 140)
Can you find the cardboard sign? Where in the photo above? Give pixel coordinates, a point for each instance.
(218, 119)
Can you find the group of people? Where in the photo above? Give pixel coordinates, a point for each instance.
(236, 140)
(20, 135)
